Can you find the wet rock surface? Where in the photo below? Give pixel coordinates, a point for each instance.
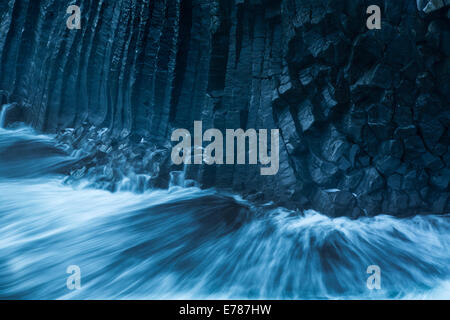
(112, 162)
(364, 113)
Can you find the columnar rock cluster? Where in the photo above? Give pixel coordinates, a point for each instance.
(373, 107)
(111, 162)
(363, 114)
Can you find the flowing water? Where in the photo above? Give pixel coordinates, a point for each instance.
(192, 243)
(3, 112)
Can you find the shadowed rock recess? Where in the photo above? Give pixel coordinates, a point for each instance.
(363, 114)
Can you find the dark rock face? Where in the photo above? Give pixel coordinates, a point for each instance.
(364, 114)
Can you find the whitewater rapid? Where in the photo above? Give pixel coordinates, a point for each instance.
(191, 243)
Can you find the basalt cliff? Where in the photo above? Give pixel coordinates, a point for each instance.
(363, 114)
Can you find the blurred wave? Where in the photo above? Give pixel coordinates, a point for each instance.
(192, 243)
